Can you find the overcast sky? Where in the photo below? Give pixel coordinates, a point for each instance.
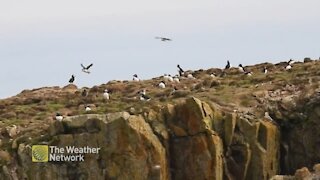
(43, 42)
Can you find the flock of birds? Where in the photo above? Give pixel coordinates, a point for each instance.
(166, 78)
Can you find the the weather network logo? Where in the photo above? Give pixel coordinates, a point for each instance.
(40, 153)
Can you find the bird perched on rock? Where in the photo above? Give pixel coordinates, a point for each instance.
(288, 67)
(59, 117)
(248, 73)
(228, 65)
(87, 108)
(265, 70)
(143, 96)
(164, 39)
(176, 79)
(291, 61)
(180, 70)
(106, 94)
(71, 80)
(162, 85)
(241, 68)
(85, 69)
(135, 77)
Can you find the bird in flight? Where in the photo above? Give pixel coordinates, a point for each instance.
(164, 39)
(86, 68)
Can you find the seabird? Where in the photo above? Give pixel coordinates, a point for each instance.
(181, 71)
(167, 77)
(143, 95)
(71, 80)
(87, 108)
(288, 67)
(86, 68)
(228, 65)
(291, 61)
(212, 75)
(164, 39)
(265, 70)
(143, 92)
(135, 77)
(106, 94)
(241, 68)
(59, 117)
(248, 73)
(162, 85)
(176, 79)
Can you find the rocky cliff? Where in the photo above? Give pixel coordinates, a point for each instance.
(229, 126)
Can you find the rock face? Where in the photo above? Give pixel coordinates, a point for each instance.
(129, 150)
(190, 140)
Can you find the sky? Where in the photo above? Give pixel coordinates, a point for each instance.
(43, 42)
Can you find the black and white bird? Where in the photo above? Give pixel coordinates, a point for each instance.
(168, 77)
(241, 68)
(213, 75)
(265, 70)
(87, 108)
(176, 79)
(164, 39)
(106, 94)
(71, 80)
(85, 69)
(180, 70)
(135, 77)
(288, 67)
(59, 117)
(162, 85)
(248, 73)
(143, 95)
(228, 65)
(291, 61)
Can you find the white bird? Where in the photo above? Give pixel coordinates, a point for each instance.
(135, 77)
(248, 73)
(241, 68)
(265, 70)
(87, 108)
(59, 117)
(176, 79)
(170, 78)
(212, 75)
(288, 67)
(106, 94)
(143, 95)
(85, 69)
(162, 85)
(144, 92)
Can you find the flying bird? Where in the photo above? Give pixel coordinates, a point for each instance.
(71, 80)
(86, 68)
(164, 39)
